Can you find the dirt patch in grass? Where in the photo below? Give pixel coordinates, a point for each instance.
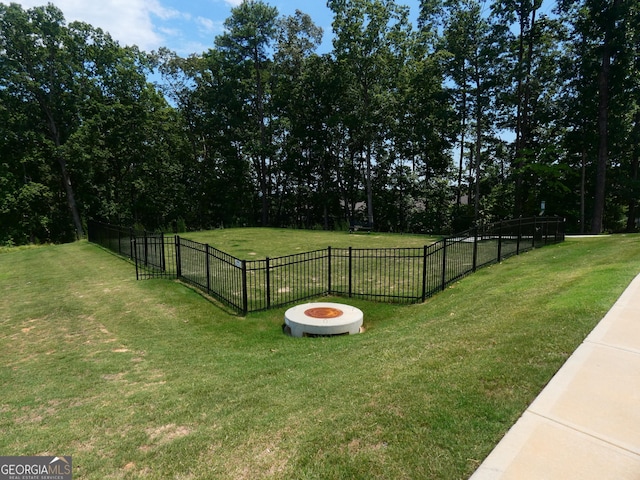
(159, 436)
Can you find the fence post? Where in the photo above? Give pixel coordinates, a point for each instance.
(268, 281)
(424, 273)
(350, 265)
(164, 261)
(474, 265)
(444, 263)
(134, 246)
(206, 252)
(499, 240)
(328, 270)
(178, 258)
(533, 244)
(519, 235)
(245, 300)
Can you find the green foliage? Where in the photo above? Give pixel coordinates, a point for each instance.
(467, 118)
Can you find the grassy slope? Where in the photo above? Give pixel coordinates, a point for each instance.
(148, 380)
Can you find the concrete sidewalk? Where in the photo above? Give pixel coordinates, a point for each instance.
(585, 424)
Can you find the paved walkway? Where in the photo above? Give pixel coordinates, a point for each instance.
(585, 425)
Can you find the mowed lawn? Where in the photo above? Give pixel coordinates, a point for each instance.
(149, 380)
(259, 243)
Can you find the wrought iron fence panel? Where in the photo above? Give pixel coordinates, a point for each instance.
(226, 274)
(392, 274)
(193, 263)
(283, 280)
(387, 274)
(149, 255)
(115, 238)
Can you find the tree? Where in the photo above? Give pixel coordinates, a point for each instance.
(39, 63)
(251, 29)
(471, 60)
(604, 41)
(371, 46)
(296, 179)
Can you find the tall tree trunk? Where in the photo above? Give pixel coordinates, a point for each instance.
(604, 78)
(369, 189)
(262, 170)
(519, 162)
(633, 202)
(462, 139)
(523, 117)
(476, 213)
(583, 188)
(71, 198)
(66, 178)
(635, 166)
(478, 140)
(603, 130)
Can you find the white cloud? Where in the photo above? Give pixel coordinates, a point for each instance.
(131, 22)
(208, 26)
(233, 3)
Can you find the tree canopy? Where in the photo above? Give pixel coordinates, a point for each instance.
(474, 115)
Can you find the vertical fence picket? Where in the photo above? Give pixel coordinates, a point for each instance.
(267, 277)
(444, 263)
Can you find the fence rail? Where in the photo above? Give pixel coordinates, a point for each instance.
(406, 275)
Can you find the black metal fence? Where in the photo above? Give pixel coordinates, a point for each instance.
(406, 275)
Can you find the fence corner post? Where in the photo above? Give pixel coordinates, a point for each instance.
(350, 270)
(329, 270)
(178, 258)
(135, 257)
(444, 264)
(268, 281)
(424, 273)
(163, 258)
(245, 300)
(208, 267)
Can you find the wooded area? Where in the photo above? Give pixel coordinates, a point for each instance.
(481, 111)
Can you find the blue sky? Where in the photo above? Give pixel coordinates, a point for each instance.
(185, 26)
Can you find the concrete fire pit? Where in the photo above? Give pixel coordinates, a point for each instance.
(323, 319)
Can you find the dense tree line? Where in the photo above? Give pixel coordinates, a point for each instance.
(481, 111)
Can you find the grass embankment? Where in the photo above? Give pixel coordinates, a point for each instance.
(149, 380)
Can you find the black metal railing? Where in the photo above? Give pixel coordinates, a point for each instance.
(387, 274)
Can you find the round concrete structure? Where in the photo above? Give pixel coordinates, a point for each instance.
(323, 319)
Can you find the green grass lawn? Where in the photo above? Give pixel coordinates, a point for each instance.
(259, 243)
(149, 380)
